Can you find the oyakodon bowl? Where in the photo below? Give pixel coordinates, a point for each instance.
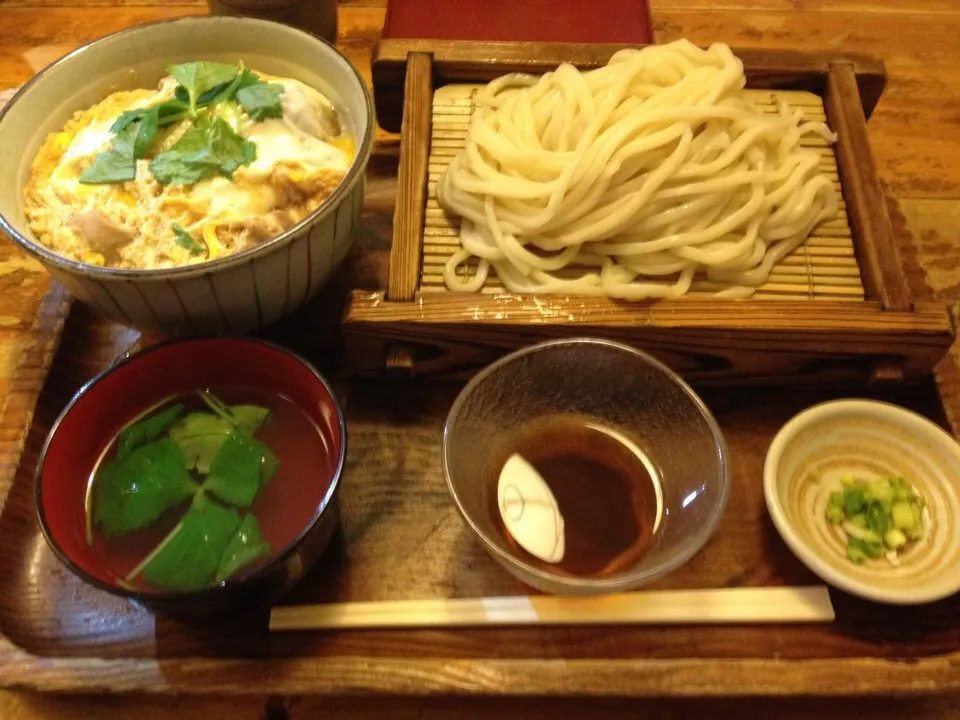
(237, 293)
(615, 386)
(87, 426)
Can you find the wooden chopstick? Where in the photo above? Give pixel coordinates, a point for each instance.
(666, 607)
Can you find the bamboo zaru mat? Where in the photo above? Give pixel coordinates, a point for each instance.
(825, 267)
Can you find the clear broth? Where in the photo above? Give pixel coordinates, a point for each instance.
(283, 508)
(606, 494)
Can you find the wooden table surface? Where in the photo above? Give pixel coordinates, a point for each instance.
(915, 134)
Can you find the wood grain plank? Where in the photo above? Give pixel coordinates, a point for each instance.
(882, 7)
(25, 706)
(405, 253)
(876, 248)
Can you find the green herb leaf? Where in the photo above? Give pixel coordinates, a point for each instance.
(147, 122)
(248, 78)
(246, 546)
(146, 132)
(217, 405)
(196, 78)
(117, 165)
(206, 149)
(110, 166)
(189, 556)
(269, 466)
(247, 418)
(226, 92)
(188, 161)
(172, 111)
(185, 240)
(126, 118)
(200, 437)
(235, 474)
(133, 492)
(146, 430)
(135, 132)
(230, 147)
(262, 100)
(167, 112)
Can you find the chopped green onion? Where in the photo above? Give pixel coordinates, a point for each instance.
(880, 517)
(895, 539)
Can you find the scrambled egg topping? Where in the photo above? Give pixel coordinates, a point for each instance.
(300, 160)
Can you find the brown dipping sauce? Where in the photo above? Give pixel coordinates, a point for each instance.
(606, 495)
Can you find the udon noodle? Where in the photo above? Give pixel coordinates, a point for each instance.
(629, 180)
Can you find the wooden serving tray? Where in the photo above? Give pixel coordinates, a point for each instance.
(838, 309)
(401, 538)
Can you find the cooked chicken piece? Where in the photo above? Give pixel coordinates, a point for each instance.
(309, 111)
(101, 234)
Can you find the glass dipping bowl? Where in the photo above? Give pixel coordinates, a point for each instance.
(619, 387)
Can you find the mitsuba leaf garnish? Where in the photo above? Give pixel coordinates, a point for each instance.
(197, 78)
(146, 132)
(247, 418)
(237, 470)
(146, 430)
(226, 92)
(149, 476)
(200, 436)
(167, 112)
(185, 240)
(110, 166)
(189, 557)
(246, 546)
(118, 164)
(132, 492)
(209, 148)
(261, 100)
(269, 466)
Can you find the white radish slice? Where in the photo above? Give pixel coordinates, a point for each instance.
(529, 510)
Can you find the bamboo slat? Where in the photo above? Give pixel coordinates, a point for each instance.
(823, 268)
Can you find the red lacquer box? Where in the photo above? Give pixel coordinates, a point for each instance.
(578, 21)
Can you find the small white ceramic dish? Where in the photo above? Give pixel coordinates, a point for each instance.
(869, 439)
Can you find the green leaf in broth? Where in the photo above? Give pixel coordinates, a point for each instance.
(235, 474)
(246, 546)
(188, 558)
(200, 436)
(269, 466)
(146, 430)
(217, 405)
(132, 492)
(248, 418)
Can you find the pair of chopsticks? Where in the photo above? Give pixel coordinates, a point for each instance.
(664, 607)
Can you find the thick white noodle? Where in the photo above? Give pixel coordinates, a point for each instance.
(629, 180)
